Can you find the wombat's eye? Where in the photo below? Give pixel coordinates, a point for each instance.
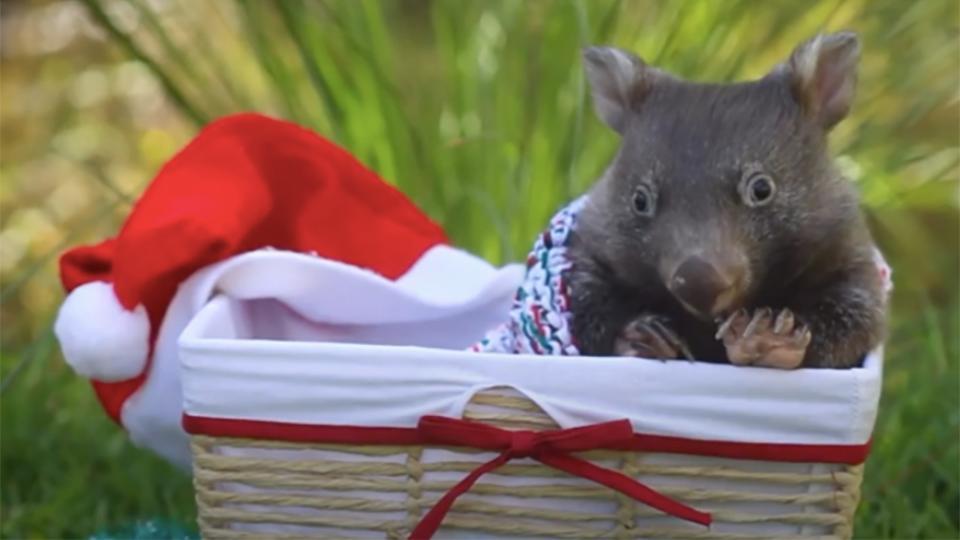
(644, 201)
(757, 189)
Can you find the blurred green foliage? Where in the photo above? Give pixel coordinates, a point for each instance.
(478, 111)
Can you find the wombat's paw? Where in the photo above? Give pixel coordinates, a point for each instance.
(648, 336)
(762, 340)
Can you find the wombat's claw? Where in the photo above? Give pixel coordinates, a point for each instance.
(648, 336)
(762, 340)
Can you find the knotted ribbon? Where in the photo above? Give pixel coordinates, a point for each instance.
(552, 448)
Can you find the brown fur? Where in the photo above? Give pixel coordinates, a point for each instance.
(691, 144)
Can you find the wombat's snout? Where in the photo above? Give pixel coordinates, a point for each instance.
(705, 288)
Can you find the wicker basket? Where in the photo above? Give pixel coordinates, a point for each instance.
(295, 436)
(266, 489)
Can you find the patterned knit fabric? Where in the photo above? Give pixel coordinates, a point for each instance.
(539, 320)
(540, 316)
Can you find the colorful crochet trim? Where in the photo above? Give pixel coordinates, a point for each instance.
(540, 317)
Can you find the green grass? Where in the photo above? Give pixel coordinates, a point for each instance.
(479, 112)
(67, 470)
(913, 473)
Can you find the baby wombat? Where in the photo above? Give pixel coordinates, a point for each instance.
(722, 230)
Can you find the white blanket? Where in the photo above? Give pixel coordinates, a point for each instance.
(447, 299)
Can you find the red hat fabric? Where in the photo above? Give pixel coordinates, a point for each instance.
(245, 182)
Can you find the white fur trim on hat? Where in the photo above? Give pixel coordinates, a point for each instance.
(99, 338)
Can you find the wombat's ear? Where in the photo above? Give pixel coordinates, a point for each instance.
(823, 75)
(618, 82)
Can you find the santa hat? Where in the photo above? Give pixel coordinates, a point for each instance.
(245, 182)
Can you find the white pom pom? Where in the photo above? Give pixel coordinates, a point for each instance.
(99, 338)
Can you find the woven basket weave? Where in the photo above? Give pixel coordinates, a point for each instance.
(269, 489)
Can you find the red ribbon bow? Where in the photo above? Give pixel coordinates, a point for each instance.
(552, 448)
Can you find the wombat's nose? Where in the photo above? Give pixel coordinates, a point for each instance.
(699, 285)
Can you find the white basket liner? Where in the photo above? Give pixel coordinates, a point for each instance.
(278, 360)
